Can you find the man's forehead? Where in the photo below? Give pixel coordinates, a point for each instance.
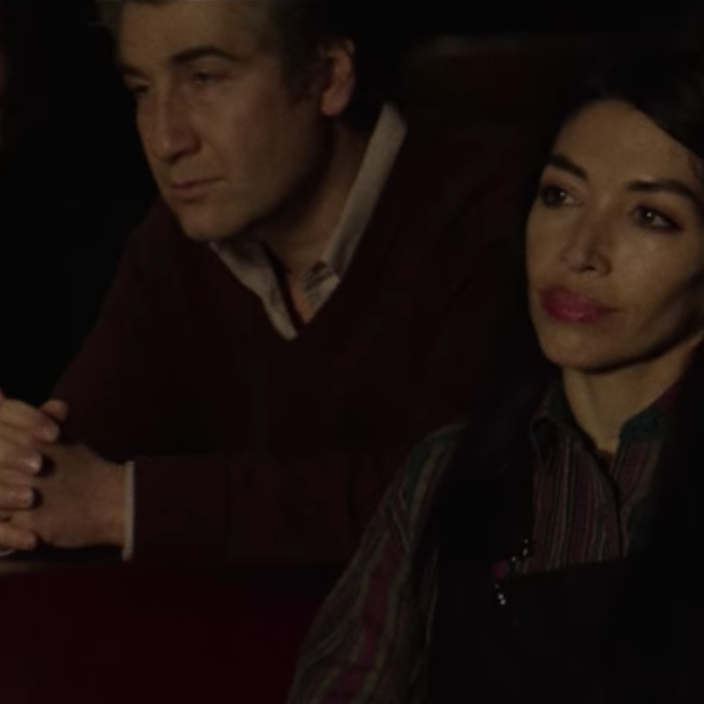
(155, 31)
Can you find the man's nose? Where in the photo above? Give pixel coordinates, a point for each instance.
(166, 129)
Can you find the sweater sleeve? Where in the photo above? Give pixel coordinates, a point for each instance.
(122, 388)
(256, 510)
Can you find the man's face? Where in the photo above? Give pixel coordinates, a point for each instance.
(230, 146)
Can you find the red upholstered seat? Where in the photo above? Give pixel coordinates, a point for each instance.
(115, 634)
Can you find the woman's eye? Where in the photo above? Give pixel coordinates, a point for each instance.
(648, 217)
(554, 196)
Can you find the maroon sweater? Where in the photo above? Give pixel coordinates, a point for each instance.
(260, 452)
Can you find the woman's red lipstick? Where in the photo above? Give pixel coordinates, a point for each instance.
(571, 307)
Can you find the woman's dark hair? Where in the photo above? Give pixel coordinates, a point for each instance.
(649, 620)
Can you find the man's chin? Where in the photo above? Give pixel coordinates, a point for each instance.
(200, 231)
(204, 236)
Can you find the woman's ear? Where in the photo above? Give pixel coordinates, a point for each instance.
(340, 79)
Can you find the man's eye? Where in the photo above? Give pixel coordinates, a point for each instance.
(137, 92)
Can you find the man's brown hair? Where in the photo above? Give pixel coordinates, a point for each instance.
(298, 29)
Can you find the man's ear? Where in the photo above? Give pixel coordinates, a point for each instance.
(340, 78)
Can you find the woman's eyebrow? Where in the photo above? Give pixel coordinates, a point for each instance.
(564, 163)
(667, 185)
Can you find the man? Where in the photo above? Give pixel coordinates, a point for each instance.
(311, 296)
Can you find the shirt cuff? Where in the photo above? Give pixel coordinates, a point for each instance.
(128, 548)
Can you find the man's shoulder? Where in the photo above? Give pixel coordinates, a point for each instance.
(469, 143)
(160, 257)
(444, 163)
(159, 237)
(455, 190)
(159, 226)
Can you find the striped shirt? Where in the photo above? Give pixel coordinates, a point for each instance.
(370, 641)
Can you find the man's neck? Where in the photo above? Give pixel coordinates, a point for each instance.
(300, 242)
(602, 402)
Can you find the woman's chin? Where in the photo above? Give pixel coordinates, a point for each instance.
(584, 356)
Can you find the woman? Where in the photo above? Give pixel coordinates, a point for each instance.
(548, 552)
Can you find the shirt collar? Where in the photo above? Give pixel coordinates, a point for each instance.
(553, 415)
(382, 150)
(379, 157)
(248, 261)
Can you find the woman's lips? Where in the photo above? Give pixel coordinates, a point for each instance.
(571, 307)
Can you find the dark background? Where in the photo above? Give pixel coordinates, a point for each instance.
(487, 17)
(492, 17)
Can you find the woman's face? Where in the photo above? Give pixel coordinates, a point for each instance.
(615, 243)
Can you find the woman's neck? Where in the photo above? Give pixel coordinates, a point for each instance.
(601, 402)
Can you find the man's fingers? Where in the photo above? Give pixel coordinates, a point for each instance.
(16, 498)
(15, 538)
(57, 409)
(16, 492)
(18, 457)
(23, 417)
